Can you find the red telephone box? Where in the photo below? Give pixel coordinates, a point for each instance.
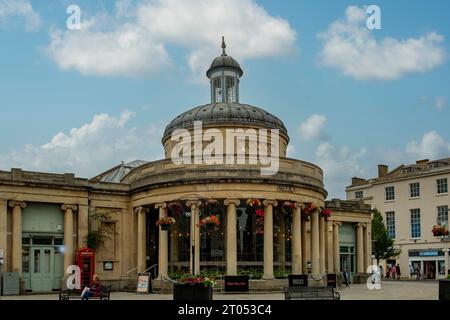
(85, 260)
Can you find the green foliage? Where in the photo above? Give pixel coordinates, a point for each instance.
(97, 237)
(383, 246)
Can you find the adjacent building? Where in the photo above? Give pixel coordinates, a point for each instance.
(412, 198)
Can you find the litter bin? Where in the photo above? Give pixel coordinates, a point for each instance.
(444, 289)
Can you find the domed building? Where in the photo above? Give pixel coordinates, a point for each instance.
(225, 200)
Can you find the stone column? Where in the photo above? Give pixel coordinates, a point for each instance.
(306, 241)
(194, 237)
(322, 238)
(141, 238)
(329, 245)
(4, 233)
(446, 262)
(296, 246)
(315, 248)
(268, 238)
(281, 241)
(367, 246)
(163, 244)
(16, 263)
(359, 248)
(337, 248)
(68, 209)
(231, 245)
(83, 225)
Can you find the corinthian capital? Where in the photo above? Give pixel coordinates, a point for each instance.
(140, 209)
(193, 203)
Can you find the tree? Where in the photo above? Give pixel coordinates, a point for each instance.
(383, 245)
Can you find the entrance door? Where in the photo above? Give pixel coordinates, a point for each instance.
(430, 269)
(42, 265)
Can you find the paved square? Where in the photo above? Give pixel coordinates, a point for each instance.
(390, 290)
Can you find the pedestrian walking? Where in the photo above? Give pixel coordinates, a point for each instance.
(393, 272)
(381, 272)
(398, 271)
(346, 280)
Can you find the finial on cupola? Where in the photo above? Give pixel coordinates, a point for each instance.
(223, 46)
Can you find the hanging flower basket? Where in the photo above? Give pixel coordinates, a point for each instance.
(254, 202)
(326, 213)
(165, 223)
(309, 209)
(259, 221)
(175, 208)
(210, 221)
(439, 230)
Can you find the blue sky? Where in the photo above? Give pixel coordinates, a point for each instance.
(70, 101)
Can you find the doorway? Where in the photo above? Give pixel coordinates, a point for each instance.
(42, 268)
(152, 239)
(429, 269)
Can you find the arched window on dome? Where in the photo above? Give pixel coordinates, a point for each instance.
(217, 89)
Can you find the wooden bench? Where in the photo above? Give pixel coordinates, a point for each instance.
(311, 293)
(75, 294)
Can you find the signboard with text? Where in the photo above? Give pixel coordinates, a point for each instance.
(236, 283)
(144, 284)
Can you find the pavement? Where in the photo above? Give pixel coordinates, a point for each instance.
(390, 290)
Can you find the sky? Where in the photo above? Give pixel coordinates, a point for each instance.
(84, 99)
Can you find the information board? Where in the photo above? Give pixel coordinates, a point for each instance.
(144, 283)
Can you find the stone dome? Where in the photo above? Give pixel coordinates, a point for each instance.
(224, 62)
(223, 113)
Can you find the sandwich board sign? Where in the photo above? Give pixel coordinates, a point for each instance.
(144, 283)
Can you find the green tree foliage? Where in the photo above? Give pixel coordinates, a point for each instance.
(383, 246)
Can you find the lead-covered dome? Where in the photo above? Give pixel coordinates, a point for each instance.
(223, 113)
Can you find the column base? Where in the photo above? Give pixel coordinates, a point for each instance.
(268, 277)
(317, 280)
(359, 278)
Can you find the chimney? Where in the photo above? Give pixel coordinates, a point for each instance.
(357, 181)
(382, 170)
(423, 162)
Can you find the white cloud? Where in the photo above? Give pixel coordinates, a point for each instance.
(134, 41)
(351, 47)
(312, 128)
(440, 103)
(431, 146)
(11, 9)
(90, 149)
(339, 165)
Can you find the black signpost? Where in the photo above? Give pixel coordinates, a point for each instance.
(236, 283)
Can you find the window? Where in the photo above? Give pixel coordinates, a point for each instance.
(414, 190)
(390, 193)
(217, 89)
(442, 216)
(415, 223)
(442, 186)
(230, 89)
(390, 224)
(359, 194)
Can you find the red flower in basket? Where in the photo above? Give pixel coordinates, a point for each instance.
(309, 209)
(213, 219)
(254, 202)
(326, 213)
(439, 231)
(165, 221)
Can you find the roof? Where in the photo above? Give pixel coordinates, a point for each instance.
(225, 112)
(224, 62)
(116, 174)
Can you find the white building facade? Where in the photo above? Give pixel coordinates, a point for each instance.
(412, 199)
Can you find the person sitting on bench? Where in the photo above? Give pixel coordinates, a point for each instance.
(95, 290)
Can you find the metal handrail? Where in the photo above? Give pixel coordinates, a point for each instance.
(129, 271)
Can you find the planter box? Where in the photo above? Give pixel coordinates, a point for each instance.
(444, 290)
(182, 291)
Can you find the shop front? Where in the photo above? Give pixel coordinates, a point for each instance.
(427, 264)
